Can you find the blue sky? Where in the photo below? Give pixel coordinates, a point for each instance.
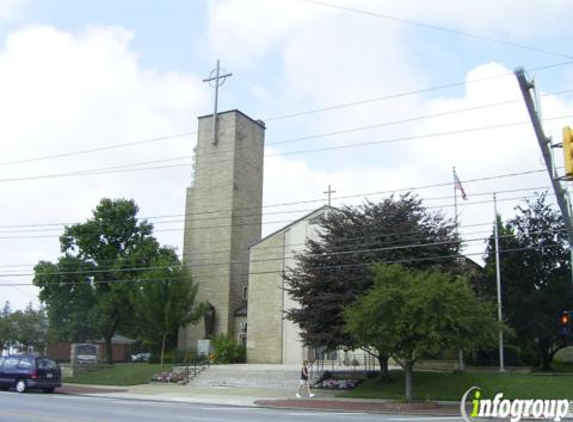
(84, 75)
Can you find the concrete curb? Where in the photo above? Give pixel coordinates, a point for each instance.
(388, 407)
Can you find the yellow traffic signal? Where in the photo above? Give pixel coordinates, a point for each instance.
(565, 319)
(568, 150)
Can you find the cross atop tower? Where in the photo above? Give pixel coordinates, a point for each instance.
(329, 192)
(215, 80)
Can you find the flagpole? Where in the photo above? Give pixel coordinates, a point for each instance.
(461, 364)
(455, 200)
(498, 284)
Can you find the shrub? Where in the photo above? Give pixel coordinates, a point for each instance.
(227, 350)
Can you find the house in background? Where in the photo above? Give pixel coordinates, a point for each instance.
(121, 349)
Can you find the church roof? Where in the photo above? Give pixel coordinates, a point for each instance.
(304, 217)
(258, 122)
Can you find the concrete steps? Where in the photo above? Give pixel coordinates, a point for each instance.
(249, 376)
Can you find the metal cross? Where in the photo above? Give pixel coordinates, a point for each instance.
(329, 192)
(215, 80)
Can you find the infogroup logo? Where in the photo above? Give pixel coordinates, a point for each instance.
(516, 409)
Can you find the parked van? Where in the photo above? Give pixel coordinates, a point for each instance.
(23, 372)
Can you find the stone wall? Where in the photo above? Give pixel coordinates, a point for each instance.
(265, 319)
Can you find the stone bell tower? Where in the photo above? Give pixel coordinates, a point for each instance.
(222, 219)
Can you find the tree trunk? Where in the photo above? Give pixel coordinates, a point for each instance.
(409, 373)
(383, 361)
(461, 361)
(546, 357)
(108, 349)
(163, 340)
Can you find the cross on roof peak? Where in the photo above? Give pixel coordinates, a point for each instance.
(329, 192)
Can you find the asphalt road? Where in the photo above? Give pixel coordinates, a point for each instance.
(40, 407)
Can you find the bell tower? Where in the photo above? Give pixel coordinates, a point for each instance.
(223, 218)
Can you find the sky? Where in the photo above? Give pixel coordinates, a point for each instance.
(101, 99)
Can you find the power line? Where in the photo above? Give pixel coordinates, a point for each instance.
(411, 138)
(100, 269)
(291, 245)
(289, 115)
(364, 194)
(246, 224)
(122, 169)
(327, 267)
(99, 149)
(409, 120)
(36, 227)
(436, 28)
(388, 234)
(326, 254)
(414, 92)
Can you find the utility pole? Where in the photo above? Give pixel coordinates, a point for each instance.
(545, 144)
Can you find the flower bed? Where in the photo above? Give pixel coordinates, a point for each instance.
(169, 377)
(337, 384)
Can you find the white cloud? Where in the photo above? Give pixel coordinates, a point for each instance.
(10, 9)
(241, 30)
(65, 92)
(489, 18)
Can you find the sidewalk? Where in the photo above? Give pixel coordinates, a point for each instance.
(258, 397)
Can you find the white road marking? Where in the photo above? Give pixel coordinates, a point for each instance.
(426, 418)
(232, 408)
(325, 414)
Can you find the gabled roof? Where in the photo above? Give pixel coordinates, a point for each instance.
(305, 217)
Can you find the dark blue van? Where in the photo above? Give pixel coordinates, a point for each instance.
(24, 372)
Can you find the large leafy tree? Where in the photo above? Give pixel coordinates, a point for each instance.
(167, 302)
(67, 289)
(410, 313)
(535, 276)
(334, 269)
(90, 291)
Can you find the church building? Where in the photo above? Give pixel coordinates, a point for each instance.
(237, 272)
(271, 337)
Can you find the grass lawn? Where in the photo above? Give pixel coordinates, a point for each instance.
(451, 386)
(120, 374)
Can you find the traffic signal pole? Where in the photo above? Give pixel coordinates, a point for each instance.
(545, 144)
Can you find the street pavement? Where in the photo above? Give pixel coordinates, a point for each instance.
(40, 407)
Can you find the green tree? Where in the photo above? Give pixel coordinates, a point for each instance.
(6, 336)
(334, 270)
(91, 289)
(67, 289)
(535, 276)
(29, 328)
(411, 313)
(166, 303)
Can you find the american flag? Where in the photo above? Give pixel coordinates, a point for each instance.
(458, 185)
